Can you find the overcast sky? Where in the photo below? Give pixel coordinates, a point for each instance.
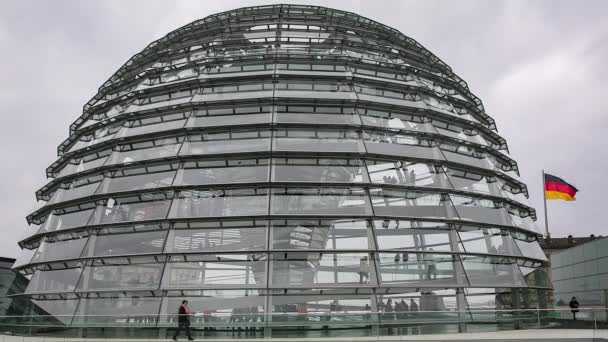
(538, 66)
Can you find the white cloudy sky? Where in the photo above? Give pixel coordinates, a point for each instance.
(539, 67)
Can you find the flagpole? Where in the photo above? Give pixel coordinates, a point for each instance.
(545, 201)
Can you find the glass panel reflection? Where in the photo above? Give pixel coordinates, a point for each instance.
(332, 306)
(125, 244)
(415, 235)
(121, 274)
(229, 239)
(306, 269)
(217, 306)
(118, 309)
(150, 206)
(51, 250)
(321, 234)
(45, 281)
(147, 150)
(490, 271)
(311, 140)
(487, 241)
(392, 202)
(318, 170)
(223, 172)
(63, 220)
(320, 201)
(420, 269)
(481, 210)
(130, 180)
(407, 173)
(220, 203)
(209, 270)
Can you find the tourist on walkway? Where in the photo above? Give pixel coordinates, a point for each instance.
(183, 320)
(574, 307)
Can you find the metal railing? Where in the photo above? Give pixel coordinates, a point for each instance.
(311, 324)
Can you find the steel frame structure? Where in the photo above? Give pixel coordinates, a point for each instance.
(271, 157)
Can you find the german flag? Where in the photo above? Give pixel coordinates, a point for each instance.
(558, 189)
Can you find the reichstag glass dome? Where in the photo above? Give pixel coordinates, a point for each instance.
(291, 170)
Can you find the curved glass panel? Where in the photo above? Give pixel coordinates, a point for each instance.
(319, 201)
(146, 150)
(392, 202)
(415, 235)
(134, 208)
(231, 238)
(118, 309)
(229, 120)
(51, 250)
(308, 269)
(487, 241)
(58, 220)
(217, 306)
(321, 234)
(125, 244)
(481, 210)
(54, 281)
(209, 270)
(420, 269)
(227, 142)
(310, 140)
(121, 274)
(219, 203)
(76, 189)
(407, 173)
(492, 272)
(223, 172)
(119, 182)
(318, 170)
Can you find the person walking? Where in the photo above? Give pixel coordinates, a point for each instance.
(573, 307)
(183, 320)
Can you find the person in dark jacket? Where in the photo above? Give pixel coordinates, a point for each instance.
(183, 320)
(574, 307)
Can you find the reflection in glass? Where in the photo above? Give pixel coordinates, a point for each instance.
(310, 140)
(54, 280)
(150, 206)
(419, 269)
(229, 239)
(220, 203)
(147, 150)
(487, 241)
(217, 306)
(321, 234)
(208, 270)
(125, 244)
(223, 172)
(318, 170)
(320, 201)
(306, 269)
(118, 309)
(391, 202)
(85, 163)
(407, 173)
(481, 210)
(121, 273)
(51, 250)
(238, 141)
(338, 306)
(58, 220)
(77, 189)
(120, 181)
(492, 271)
(414, 235)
